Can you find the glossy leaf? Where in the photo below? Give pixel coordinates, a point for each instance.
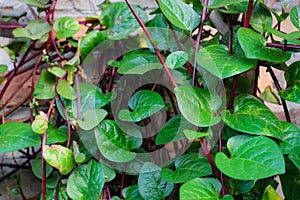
(144, 103)
(260, 119)
(180, 14)
(295, 16)
(197, 105)
(177, 59)
(137, 62)
(120, 21)
(256, 157)
(217, 60)
(261, 18)
(151, 185)
(16, 136)
(36, 167)
(65, 27)
(132, 193)
(270, 193)
(295, 156)
(172, 130)
(56, 135)
(201, 189)
(291, 138)
(35, 30)
(65, 90)
(188, 167)
(59, 157)
(254, 46)
(90, 41)
(40, 123)
(45, 86)
(37, 3)
(57, 71)
(109, 173)
(222, 3)
(86, 182)
(91, 118)
(292, 76)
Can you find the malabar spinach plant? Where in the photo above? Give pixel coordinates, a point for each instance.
(160, 105)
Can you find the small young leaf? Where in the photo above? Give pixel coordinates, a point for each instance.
(3, 69)
(151, 184)
(191, 134)
(91, 118)
(197, 105)
(254, 46)
(65, 90)
(188, 167)
(255, 157)
(180, 14)
(59, 157)
(36, 167)
(177, 59)
(86, 182)
(144, 103)
(57, 71)
(217, 60)
(270, 193)
(201, 189)
(295, 16)
(16, 136)
(269, 95)
(66, 27)
(37, 3)
(35, 30)
(261, 18)
(40, 123)
(90, 41)
(132, 193)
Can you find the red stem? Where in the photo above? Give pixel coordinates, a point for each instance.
(282, 46)
(248, 14)
(161, 59)
(12, 26)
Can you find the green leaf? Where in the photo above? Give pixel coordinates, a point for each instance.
(291, 138)
(255, 157)
(37, 3)
(66, 27)
(56, 135)
(35, 30)
(40, 123)
(36, 167)
(191, 134)
(177, 59)
(172, 130)
(180, 14)
(90, 41)
(91, 118)
(261, 18)
(3, 69)
(290, 181)
(270, 193)
(295, 16)
(132, 193)
(144, 103)
(287, 36)
(120, 21)
(16, 136)
(217, 60)
(65, 90)
(109, 173)
(254, 46)
(188, 167)
(222, 3)
(151, 185)
(295, 157)
(236, 8)
(260, 119)
(59, 157)
(86, 182)
(137, 62)
(198, 105)
(57, 71)
(45, 86)
(292, 76)
(201, 189)
(269, 95)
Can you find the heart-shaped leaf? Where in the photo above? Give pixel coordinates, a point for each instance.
(180, 14)
(56, 135)
(59, 157)
(295, 16)
(177, 59)
(66, 27)
(254, 46)
(291, 138)
(65, 90)
(188, 167)
(35, 30)
(90, 41)
(255, 157)
(91, 118)
(151, 185)
(217, 60)
(261, 18)
(260, 119)
(137, 62)
(91, 179)
(132, 193)
(292, 76)
(198, 105)
(144, 103)
(45, 86)
(201, 189)
(16, 136)
(120, 21)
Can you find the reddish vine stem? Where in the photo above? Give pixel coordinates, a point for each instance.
(122, 181)
(282, 46)
(199, 36)
(12, 26)
(159, 55)
(248, 14)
